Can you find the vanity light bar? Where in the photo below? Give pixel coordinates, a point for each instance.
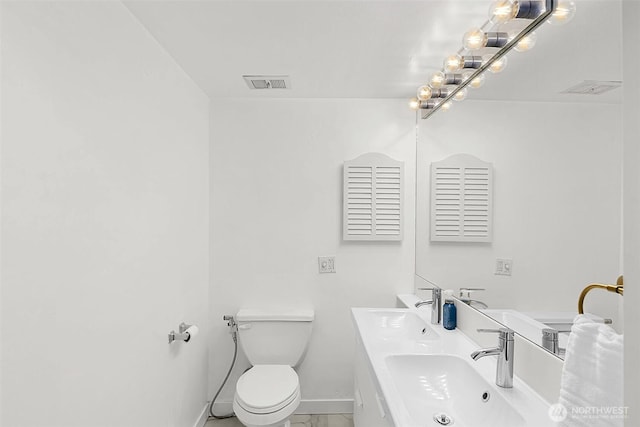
(503, 51)
(538, 11)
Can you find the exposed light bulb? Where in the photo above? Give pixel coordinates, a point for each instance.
(563, 13)
(446, 106)
(437, 80)
(453, 63)
(474, 39)
(414, 104)
(424, 92)
(477, 82)
(498, 66)
(503, 11)
(460, 95)
(526, 43)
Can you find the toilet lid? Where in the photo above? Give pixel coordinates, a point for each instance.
(267, 388)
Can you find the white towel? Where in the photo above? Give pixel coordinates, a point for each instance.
(591, 388)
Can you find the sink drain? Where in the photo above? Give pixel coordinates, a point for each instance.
(443, 419)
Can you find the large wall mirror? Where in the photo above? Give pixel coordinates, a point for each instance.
(557, 164)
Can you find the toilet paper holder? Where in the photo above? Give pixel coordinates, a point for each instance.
(185, 332)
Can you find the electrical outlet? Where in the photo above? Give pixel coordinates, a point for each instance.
(504, 267)
(326, 264)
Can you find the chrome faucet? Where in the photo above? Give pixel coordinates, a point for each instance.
(504, 351)
(436, 304)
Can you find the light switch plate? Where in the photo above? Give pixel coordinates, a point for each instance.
(326, 264)
(503, 266)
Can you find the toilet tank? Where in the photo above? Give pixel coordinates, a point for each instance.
(270, 337)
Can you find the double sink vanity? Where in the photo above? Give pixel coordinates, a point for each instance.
(412, 373)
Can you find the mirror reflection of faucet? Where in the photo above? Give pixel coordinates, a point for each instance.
(551, 343)
(465, 297)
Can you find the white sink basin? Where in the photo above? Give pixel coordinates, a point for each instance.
(433, 386)
(398, 324)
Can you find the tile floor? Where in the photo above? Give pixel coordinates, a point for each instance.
(332, 420)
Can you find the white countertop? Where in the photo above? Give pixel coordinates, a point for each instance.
(532, 408)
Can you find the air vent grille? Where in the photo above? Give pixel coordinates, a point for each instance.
(278, 84)
(593, 87)
(267, 82)
(260, 84)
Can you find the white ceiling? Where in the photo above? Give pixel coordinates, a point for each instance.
(374, 49)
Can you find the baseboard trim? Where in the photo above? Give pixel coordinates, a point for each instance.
(202, 419)
(325, 406)
(307, 406)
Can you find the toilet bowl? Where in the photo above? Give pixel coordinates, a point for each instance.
(266, 396)
(274, 342)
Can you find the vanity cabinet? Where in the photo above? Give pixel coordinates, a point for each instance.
(369, 408)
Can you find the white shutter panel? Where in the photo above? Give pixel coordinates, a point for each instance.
(461, 200)
(359, 200)
(372, 199)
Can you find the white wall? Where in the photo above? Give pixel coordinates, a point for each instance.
(277, 206)
(631, 132)
(557, 198)
(104, 219)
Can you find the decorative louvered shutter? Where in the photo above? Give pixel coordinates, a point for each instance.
(461, 200)
(372, 198)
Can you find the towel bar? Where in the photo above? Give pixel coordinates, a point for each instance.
(618, 288)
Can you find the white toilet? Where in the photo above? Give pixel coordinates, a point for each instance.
(274, 342)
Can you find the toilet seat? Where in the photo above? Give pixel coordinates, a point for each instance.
(265, 389)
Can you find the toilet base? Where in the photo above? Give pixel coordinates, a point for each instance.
(285, 423)
(275, 419)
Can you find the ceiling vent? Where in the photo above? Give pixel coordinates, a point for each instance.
(593, 87)
(268, 82)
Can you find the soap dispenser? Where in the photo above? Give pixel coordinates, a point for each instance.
(449, 312)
